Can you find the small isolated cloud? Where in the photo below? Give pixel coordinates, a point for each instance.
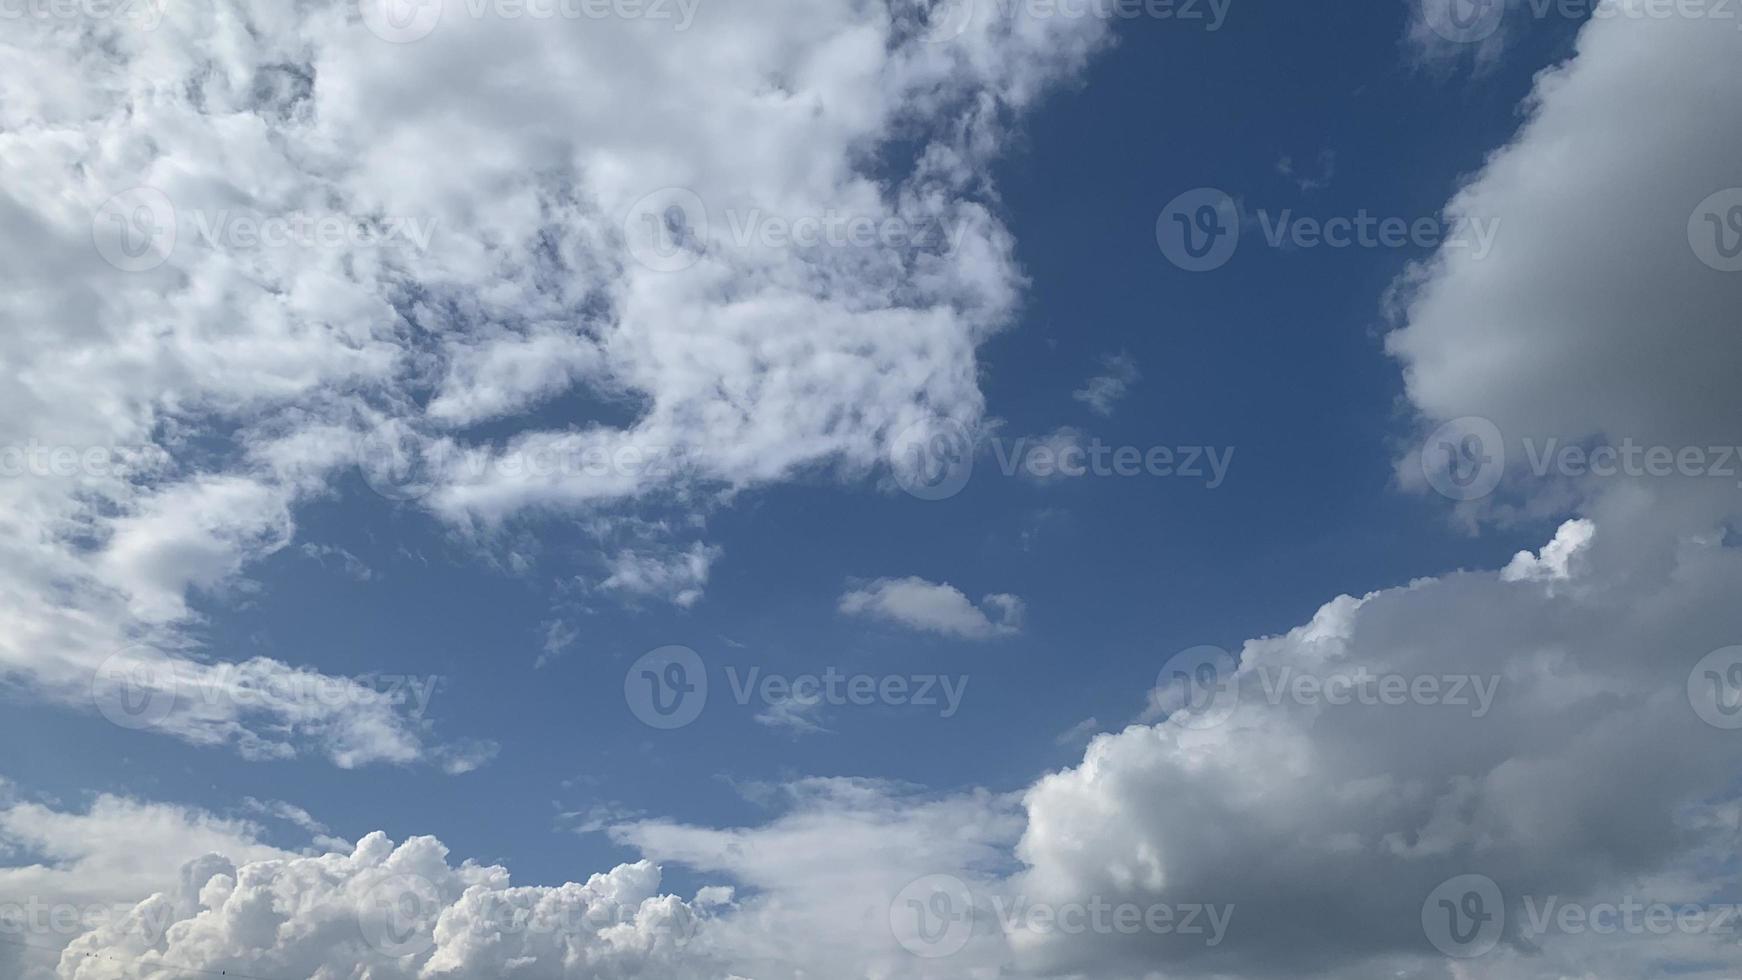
(346, 562)
(1101, 392)
(678, 577)
(559, 635)
(1442, 33)
(796, 714)
(1079, 733)
(1316, 176)
(936, 608)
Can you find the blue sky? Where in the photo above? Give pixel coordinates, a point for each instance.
(1049, 606)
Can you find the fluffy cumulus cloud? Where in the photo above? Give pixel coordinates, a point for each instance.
(399, 912)
(818, 883)
(254, 247)
(1312, 804)
(1598, 766)
(70, 872)
(1471, 724)
(935, 607)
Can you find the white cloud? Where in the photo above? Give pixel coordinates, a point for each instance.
(1590, 775)
(1328, 825)
(936, 608)
(1103, 391)
(398, 913)
(77, 870)
(677, 577)
(1304, 176)
(349, 563)
(254, 371)
(1593, 775)
(1595, 318)
(559, 636)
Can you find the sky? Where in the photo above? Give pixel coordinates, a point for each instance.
(870, 488)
